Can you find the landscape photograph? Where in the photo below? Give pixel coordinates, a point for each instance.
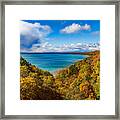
(59, 60)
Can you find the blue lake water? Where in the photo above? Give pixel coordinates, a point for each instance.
(52, 62)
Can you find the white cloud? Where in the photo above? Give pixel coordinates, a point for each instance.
(86, 27)
(47, 47)
(71, 29)
(75, 28)
(43, 47)
(33, 31)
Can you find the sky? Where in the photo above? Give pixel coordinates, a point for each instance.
(59, 35)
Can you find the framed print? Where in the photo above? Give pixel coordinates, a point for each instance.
(60, 60)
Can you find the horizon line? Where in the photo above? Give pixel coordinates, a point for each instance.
(56, 52)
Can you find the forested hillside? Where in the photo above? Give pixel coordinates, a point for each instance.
(36, 84)
(79, 81)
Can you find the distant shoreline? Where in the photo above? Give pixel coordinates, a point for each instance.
(82, 53)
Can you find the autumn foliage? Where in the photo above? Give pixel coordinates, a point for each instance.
(79, 81)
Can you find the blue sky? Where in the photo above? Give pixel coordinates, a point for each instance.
(59, 35)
